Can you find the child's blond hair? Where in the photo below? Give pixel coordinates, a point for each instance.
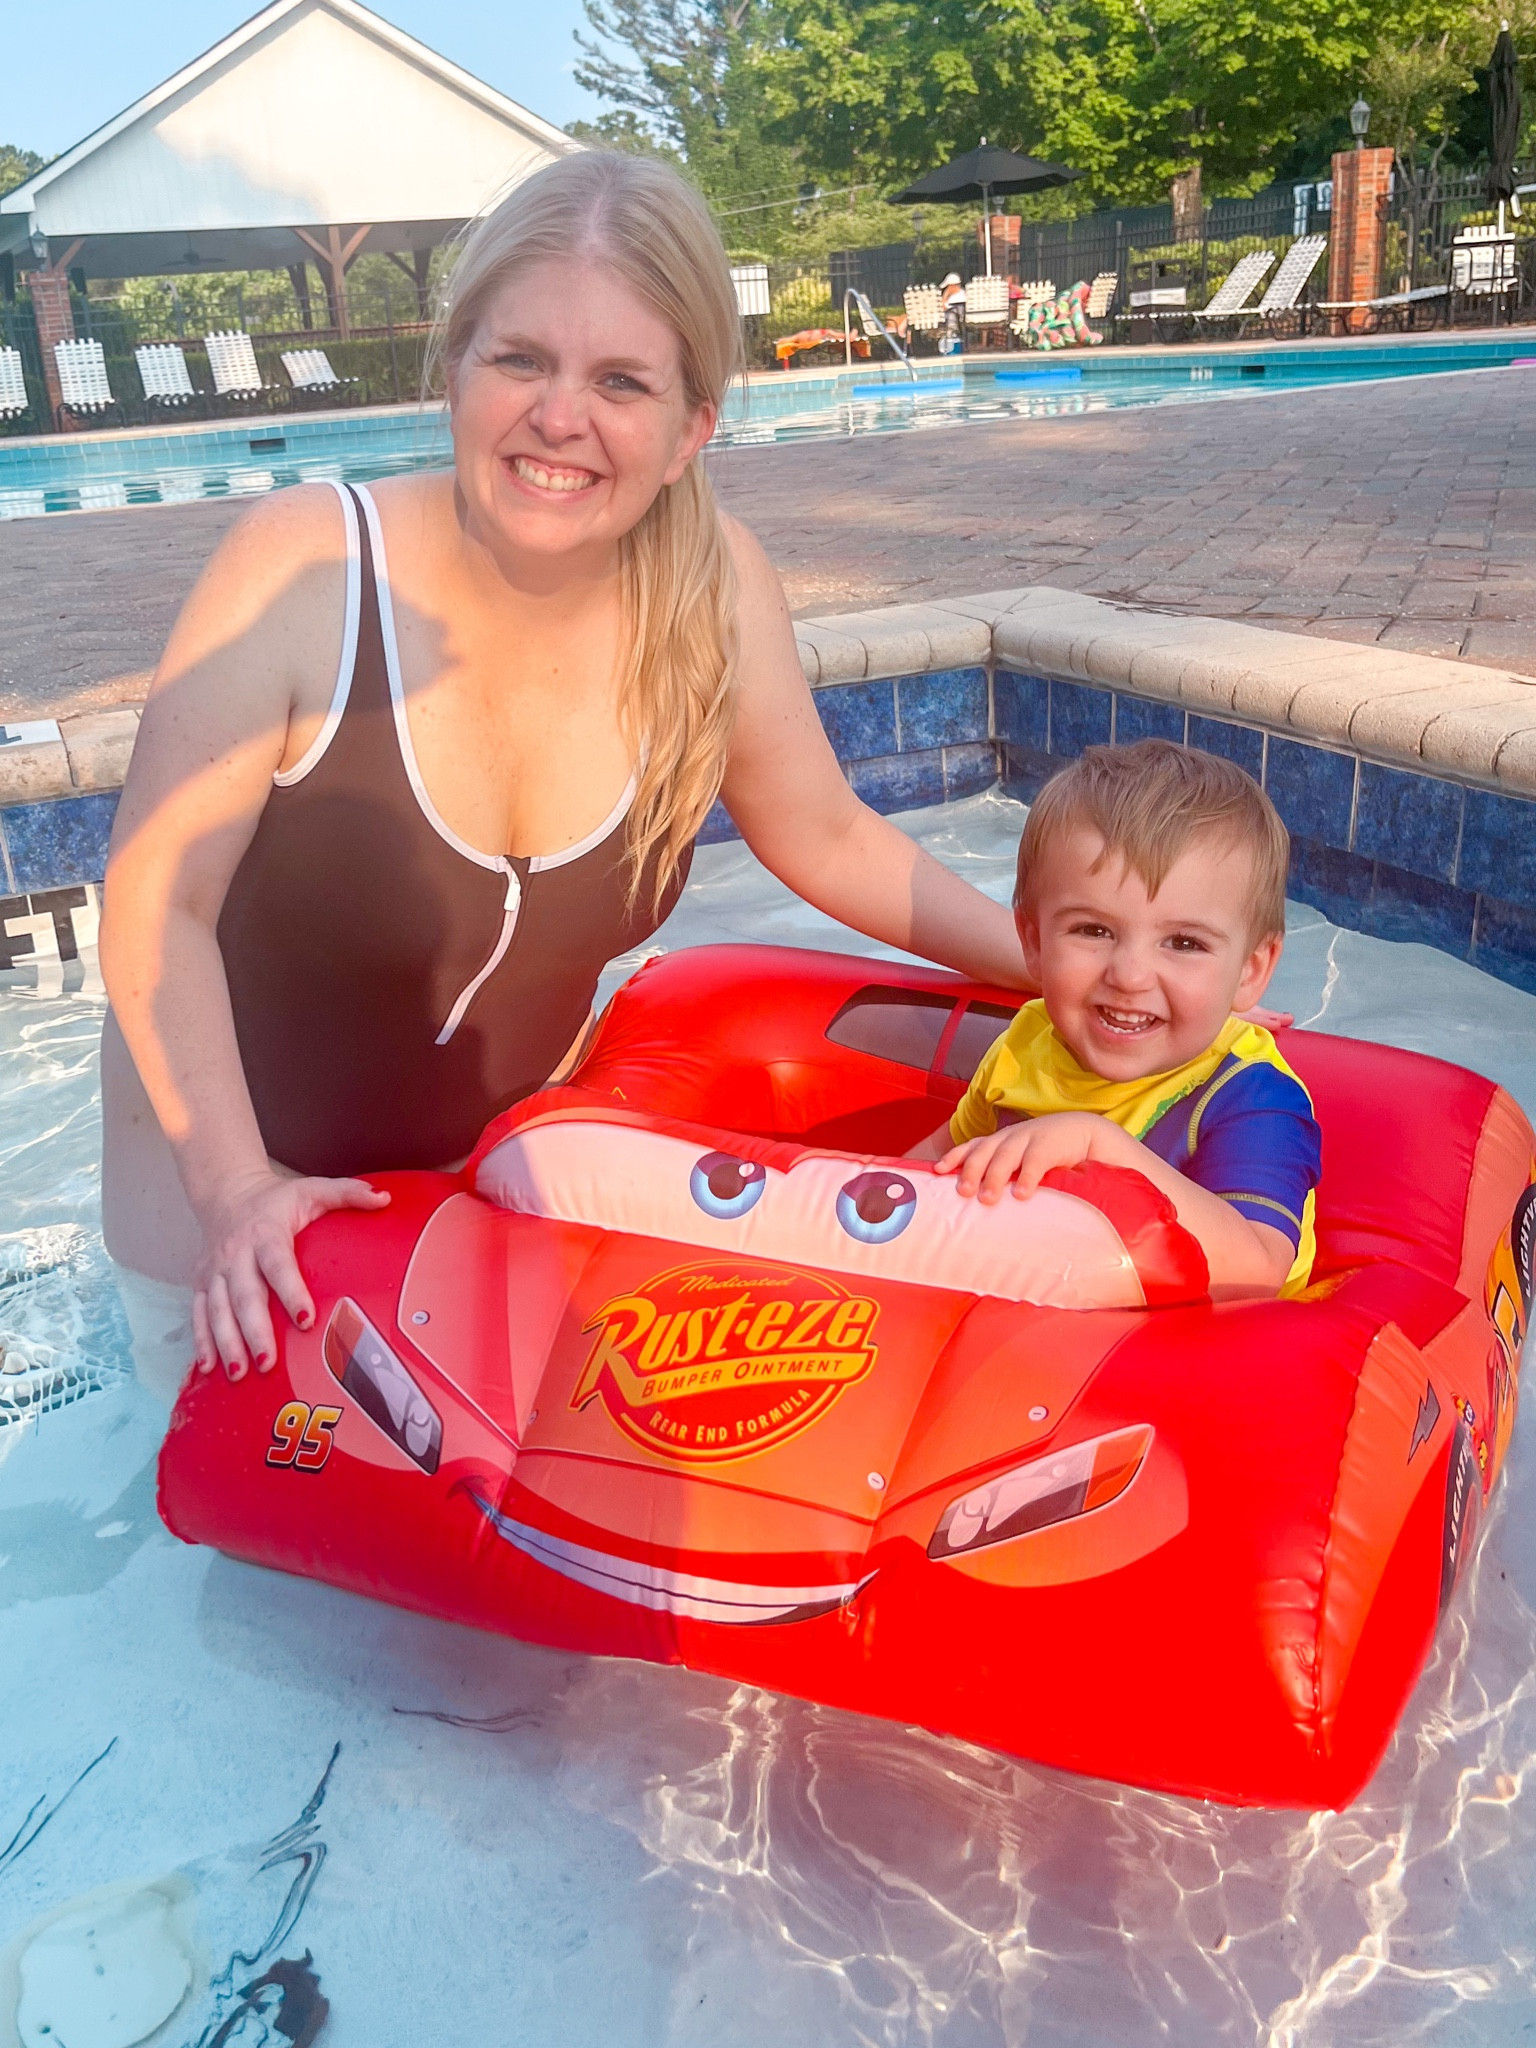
(1148, 803)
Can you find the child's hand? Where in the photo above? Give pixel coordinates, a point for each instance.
(1025, 1153)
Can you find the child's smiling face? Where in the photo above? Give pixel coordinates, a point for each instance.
(1138, 984)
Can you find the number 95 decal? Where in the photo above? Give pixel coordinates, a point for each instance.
(302, 1436)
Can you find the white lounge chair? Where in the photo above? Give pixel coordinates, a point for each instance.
(232, 359)
(83, 387)
(13, 385)
(163, 373)
(1231, 296)
(1101, 295)
(1402, 304)
(309, 369)
(1484, 262)
(1291, 279)
(986, 305)
(925, 308)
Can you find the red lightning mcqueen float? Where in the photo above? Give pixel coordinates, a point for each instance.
(681, 1367)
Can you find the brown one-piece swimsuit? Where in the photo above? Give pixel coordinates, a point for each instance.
(394, 987)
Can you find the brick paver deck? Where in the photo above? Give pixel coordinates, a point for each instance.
(1402, 514)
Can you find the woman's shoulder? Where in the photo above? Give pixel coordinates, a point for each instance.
(269, 601)
(752, 563)
(759, 593)
(280, 534)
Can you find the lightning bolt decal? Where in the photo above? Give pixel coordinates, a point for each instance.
(1424, 1422)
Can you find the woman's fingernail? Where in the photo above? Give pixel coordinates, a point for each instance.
(306, 1318)
(263, 1360)
(236, 1372)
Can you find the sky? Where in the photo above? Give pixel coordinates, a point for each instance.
(105, 54)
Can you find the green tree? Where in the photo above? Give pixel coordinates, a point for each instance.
(17, 165)
(1424, 81)
(888, 88)
(693, 86)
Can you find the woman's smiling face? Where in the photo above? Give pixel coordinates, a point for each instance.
(569, 411)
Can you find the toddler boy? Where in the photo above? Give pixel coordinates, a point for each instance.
(1151, 906)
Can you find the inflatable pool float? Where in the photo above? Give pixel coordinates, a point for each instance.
(688, 1365)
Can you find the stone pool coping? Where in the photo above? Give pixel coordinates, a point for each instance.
(1408, 782)
(1414, 711)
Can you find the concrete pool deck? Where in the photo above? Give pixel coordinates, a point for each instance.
(1395, 514)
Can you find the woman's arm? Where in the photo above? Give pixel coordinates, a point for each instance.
(797, 813)
(259, 634)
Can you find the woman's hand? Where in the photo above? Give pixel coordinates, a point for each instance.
(1024, 1153)
(249, 1237)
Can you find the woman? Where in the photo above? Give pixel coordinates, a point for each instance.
(419, 761)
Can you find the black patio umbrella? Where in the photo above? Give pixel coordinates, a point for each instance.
(979, 174)
(1503, 118)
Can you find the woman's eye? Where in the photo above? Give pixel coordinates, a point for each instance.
(875, 1207)
(516, 359)
(618, 381)
(726, 1187)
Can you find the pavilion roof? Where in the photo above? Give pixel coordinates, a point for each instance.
(314, 114)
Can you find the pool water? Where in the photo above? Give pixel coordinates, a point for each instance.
(101, 472)
(520, 1845)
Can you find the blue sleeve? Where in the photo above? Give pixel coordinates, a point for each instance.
(1257, 1145)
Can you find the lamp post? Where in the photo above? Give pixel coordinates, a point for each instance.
(1359, 122)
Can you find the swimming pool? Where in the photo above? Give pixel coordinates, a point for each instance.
(107, 471)
(523, 1845)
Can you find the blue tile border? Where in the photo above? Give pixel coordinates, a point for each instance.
(1412, 820)
(56, 845)
(1400, 853)
(945, 708)
(1243, 744)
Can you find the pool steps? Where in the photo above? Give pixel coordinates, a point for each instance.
(1408, 781)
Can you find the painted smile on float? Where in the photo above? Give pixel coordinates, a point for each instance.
(552, 477)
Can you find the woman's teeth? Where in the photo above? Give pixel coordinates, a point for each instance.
(1128, 1022)
(543, 479)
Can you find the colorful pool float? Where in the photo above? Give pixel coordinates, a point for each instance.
(689, 1365)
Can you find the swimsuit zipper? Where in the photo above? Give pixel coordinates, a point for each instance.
(508, 926)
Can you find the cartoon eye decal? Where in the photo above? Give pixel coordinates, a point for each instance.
(875, 1207)
(726, 1187)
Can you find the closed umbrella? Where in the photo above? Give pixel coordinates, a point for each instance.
(1503, 121)
(979, 174)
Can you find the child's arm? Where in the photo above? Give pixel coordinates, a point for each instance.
(934, 1146)
(1245, 1258)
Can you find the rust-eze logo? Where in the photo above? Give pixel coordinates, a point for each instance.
(721, 1359)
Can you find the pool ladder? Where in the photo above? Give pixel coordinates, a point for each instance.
(874, 329)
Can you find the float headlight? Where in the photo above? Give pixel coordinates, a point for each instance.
(381, 1385)
(1046, 1490)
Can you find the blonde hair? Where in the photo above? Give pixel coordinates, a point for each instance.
(1148, 803)
(677, 700)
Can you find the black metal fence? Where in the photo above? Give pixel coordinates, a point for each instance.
(808, 295)
(385, 364)
(1426, 214)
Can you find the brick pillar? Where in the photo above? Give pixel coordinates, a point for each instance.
(1358, 243)
(55, 322)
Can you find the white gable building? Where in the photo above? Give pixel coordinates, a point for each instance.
(315, 131)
